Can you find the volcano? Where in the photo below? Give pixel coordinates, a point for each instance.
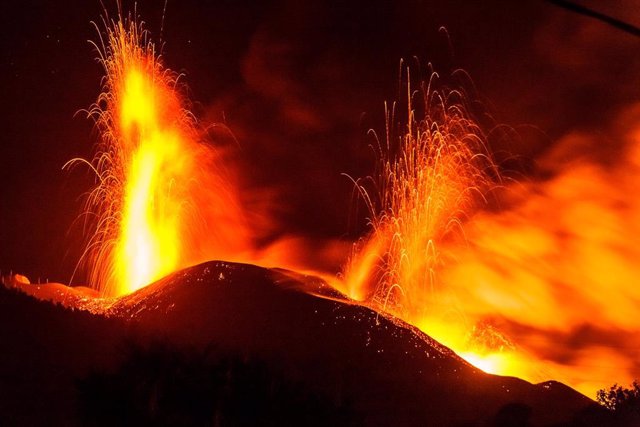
(235, 344)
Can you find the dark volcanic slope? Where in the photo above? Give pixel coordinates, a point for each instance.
(382, 371)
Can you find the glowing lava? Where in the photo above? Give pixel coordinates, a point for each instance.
(162, 200)
(509, 289)
(430, 179)
(540, 288)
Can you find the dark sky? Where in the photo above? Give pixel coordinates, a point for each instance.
(299, 85)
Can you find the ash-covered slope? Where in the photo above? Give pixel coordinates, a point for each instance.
(357, 366)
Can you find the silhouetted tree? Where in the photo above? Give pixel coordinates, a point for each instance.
(623, 402)
(618, 398)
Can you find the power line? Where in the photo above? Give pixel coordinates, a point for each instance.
(574, 7)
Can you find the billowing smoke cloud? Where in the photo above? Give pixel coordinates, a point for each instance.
(556, 268)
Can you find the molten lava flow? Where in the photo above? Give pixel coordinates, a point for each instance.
(162, 202)
(542, 288)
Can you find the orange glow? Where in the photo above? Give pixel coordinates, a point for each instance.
(428, 183)
(523, 291)
(558, 267)
(543, 288)
(163, 201)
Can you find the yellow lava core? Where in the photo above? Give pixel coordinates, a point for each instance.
(149, 243)
(153, 136)
(490, 363)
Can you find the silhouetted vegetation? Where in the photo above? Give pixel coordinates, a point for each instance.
(624, 403)
(161, 385)
(619, 398)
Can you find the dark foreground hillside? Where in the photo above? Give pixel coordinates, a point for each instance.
(232, 344)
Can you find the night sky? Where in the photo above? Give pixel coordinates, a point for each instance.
(299, 85)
